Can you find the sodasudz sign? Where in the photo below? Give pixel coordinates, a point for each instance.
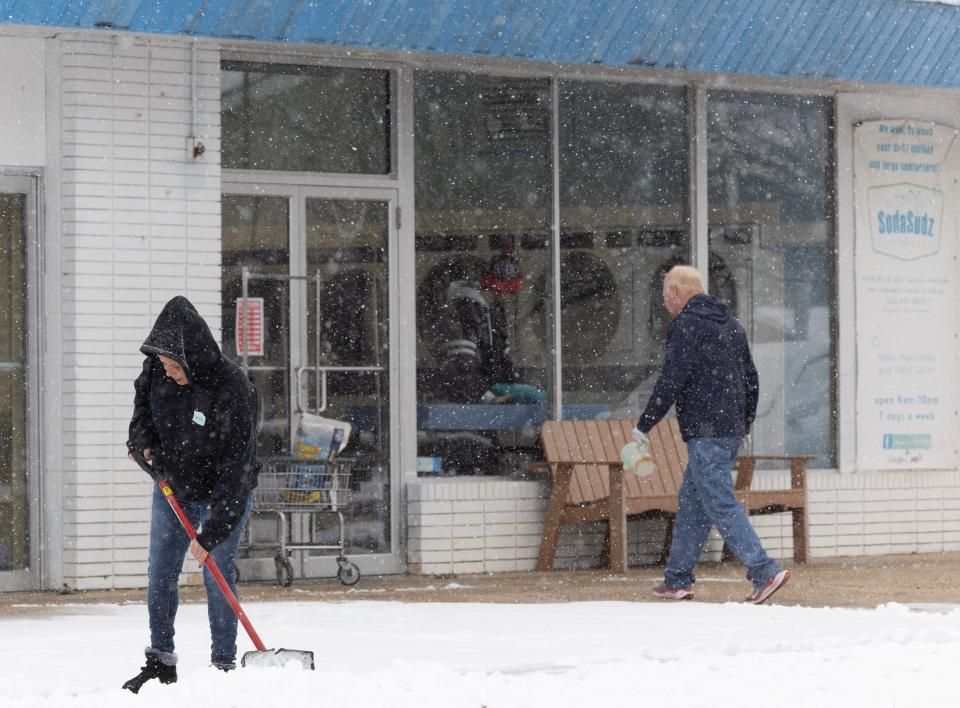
(905, 184)
(908, 222)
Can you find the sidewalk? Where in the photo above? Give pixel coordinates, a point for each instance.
(867, 581)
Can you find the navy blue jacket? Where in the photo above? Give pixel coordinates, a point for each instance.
(204, 433)
(708, 372)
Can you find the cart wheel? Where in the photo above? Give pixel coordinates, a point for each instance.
(348, 573)
(284, 571)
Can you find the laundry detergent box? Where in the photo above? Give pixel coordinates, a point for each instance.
(319, 438)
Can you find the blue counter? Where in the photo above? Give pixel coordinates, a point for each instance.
(481, 416)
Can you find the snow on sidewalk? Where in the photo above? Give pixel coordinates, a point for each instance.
(588, 655)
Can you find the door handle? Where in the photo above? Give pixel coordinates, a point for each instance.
(321, 373)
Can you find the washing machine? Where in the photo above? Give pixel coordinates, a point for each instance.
(442, 259)
(609, 294)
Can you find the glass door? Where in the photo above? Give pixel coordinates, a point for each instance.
(346, 344)
(18, 484)
(256, 237)
(319, 263)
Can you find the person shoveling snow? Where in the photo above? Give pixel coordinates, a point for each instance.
(194, 431)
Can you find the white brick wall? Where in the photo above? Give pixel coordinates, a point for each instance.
(876, 513)
(487, 524)
(141, 223)
(459, 525)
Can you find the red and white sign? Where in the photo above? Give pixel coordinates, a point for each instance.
(250, 326)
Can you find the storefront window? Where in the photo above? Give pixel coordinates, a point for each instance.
(772, 245)
(305, 118)
(483, 196)
(623, 192)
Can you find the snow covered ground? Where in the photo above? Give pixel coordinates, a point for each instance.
(588, 655)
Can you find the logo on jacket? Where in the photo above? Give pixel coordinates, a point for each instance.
(199, 418)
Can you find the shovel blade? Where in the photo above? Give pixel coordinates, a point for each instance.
(278, 658)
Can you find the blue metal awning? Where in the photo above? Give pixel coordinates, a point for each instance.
(886, 41)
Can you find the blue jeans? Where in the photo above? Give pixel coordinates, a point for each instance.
(168, 547)
(706, 499)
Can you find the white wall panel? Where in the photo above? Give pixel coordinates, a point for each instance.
(23, 85)
(141, 223)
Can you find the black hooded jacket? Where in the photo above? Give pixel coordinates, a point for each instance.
(708, 372)
(203, 434)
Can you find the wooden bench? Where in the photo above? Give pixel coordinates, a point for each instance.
(588, 485)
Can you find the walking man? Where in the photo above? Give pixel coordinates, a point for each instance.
(709, 373)
(195, 417)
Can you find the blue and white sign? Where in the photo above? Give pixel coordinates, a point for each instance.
(906, 198)
(908, 220)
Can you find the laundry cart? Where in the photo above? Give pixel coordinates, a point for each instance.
(300, 493)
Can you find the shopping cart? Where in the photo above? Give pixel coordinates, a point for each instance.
(290, 487)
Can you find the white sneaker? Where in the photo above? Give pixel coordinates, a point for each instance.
(668, 593)
(761, 593)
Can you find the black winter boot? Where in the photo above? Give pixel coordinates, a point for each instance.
(160, 665)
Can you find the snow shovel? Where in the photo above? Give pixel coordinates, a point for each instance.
(262, 656)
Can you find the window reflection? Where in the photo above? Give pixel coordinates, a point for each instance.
(483, 166)
(305, 118)
(771, 226)
(623, 190)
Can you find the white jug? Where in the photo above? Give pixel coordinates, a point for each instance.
(636, 459)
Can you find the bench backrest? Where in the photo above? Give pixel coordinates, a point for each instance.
(591, 445)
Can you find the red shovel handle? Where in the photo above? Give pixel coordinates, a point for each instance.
(212, 567)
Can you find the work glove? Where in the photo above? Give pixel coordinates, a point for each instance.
(636, 457)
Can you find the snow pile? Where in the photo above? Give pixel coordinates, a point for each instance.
(502, 656)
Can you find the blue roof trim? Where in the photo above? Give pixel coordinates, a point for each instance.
(885, 41)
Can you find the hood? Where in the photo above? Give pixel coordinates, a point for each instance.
(707, 307)
(181, 334)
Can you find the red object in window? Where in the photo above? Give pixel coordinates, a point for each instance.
(250, 326)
